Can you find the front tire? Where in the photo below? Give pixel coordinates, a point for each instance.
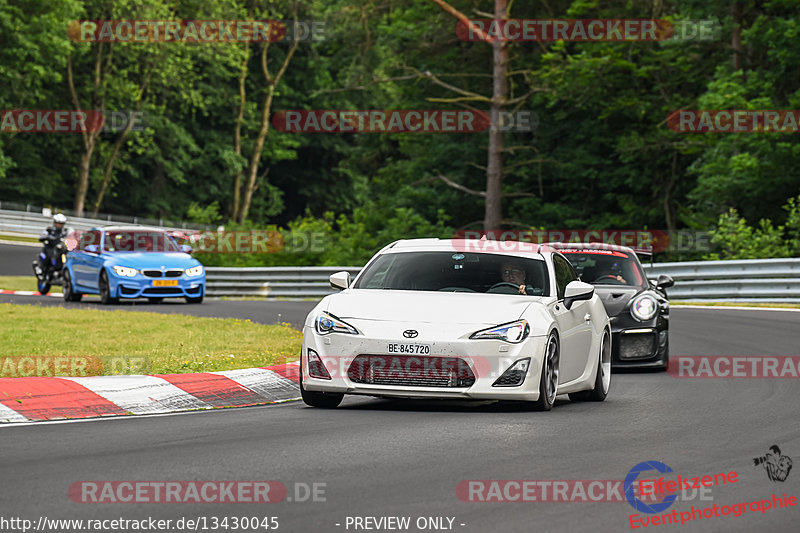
(325, 400)
(602, 380)
(548, 382)
(70, 295)
(105, 290)
(191, 300)
(43, 287)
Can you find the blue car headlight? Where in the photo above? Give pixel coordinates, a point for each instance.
(194, 271)
(513, 332)
(126, 272)
(327, 323)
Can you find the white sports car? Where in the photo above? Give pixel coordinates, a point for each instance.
(468, 319)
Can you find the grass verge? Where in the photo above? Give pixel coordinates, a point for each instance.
(39, 340)
(18, 238)
(20, 283)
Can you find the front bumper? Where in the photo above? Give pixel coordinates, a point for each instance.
(487, 360)
(637, 344)
(140, 286)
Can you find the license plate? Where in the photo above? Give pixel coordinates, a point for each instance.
(165, 283)
(411, 349)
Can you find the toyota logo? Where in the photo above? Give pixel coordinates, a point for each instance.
(410, 333)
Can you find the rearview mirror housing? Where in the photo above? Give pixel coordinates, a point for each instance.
(576, 291)
(340, 280)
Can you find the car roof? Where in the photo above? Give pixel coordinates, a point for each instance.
(522, 249)
(128, 228)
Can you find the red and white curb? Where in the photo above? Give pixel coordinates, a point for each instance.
(31, 399)
(31, 293)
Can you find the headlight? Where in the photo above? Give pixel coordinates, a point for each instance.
(644, 307)
(125, 271)
(511, 332)
(327, 323)
(194, 271)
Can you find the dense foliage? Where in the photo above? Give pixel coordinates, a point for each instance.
(601, 156)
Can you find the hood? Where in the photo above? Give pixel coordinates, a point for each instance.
(615, 298)
(419, 306)
(152, 259)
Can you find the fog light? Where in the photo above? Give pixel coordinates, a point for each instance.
(514, 376)
(316, 369)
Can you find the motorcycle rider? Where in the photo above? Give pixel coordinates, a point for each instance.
(51, 237)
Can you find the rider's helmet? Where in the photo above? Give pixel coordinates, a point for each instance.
(59, 220)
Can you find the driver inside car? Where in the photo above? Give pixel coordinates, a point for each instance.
(511, 272)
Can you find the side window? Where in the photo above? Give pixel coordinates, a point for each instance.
(87, 238)
(564, 274)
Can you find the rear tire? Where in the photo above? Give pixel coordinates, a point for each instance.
(70, 295)
(325, 400)
(105, 290)
(548, 381)
(602, 380)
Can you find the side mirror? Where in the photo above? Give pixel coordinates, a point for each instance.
(185, 248)
(340, 280)
(577, 290)
(664, 281)
(92, 249)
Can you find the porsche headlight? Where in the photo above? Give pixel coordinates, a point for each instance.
(125, 271)
(512, 332)
(194, 271)
(327, 323)
(644, 307)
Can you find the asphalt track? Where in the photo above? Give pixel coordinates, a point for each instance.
(16, 260)
(382, 458)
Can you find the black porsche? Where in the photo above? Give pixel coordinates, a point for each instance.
(638, 307)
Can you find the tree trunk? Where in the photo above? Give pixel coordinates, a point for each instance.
(255, 159)
(493, 213)
(237, 132)
(736, 34)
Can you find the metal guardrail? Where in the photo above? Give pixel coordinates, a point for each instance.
(33, 223)
(751, 280)
(758, 280)
(273, 282)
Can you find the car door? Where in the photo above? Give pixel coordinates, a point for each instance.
(574, 324)
(82, 270)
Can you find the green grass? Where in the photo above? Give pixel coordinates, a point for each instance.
(21, 283)
(19, 238)
(98, 342)
(780, 305)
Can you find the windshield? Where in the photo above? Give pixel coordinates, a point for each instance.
(456, 272)
(139, 241)
(606, 267)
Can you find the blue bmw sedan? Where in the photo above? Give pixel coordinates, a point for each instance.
(132, 262)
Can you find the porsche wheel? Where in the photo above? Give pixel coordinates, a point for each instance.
(602, 381)
(548, 382)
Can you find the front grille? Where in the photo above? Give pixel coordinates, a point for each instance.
(636, 345)
(127, 290)
(162, 290)
(174, 273)
(193, 290)
(152, 273)
(409, 370)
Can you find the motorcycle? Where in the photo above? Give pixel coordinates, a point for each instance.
(50, 270)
